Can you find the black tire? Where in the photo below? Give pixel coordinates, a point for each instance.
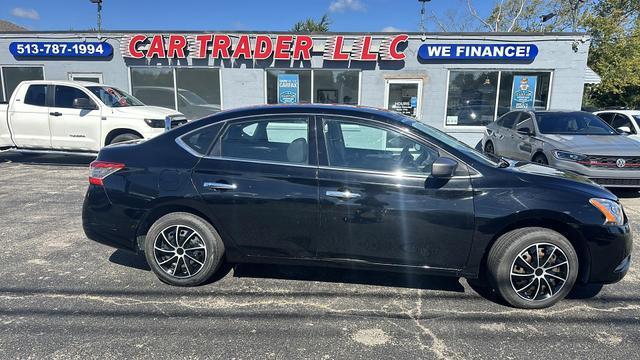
(210, 255)
(540, 159)
(489, 149)
(544, 290)
(124, 137)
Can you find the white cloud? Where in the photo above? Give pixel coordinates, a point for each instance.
(30, 14)
(391, 29)
(345, 5)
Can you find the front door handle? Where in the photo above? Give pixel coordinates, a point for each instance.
(219, 186)
(345, 195)
(55, 113)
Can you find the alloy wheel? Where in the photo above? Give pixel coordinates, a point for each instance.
(539, 272)
(180, 251)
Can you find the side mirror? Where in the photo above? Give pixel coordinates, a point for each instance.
(444, 167)
(525, 131)
(624, 130)
(84, 103)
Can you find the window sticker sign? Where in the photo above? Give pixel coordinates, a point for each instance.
(288, 88)
(478, 52)
(523, 93)
(48, 49)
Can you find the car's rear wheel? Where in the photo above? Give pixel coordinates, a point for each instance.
(124, 137)
(183, 249)
(533, 267)
(488, 148)
(540, 159)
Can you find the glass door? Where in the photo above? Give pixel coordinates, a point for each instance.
(404, 96)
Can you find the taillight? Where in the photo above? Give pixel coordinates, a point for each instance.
(99, 170)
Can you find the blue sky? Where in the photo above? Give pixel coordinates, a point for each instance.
(346, 15)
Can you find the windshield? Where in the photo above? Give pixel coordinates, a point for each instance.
(637, 117)
(192, 98)
(572, 123)
(113, 97)
(455, 143)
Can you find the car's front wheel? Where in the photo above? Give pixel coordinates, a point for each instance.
(540, 159)
(532, 267)
(183, 249)
(488, 148)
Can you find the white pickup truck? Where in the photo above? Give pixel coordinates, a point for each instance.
(70, 116)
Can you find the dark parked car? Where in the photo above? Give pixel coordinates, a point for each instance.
(352, 187)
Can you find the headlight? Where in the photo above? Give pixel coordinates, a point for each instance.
(155, 123)
(565, 155)
(612, 211)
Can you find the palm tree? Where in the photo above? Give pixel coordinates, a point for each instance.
(310, 25)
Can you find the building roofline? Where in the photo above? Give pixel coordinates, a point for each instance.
(377, 33)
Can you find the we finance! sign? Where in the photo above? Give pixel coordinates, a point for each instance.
(478, 52)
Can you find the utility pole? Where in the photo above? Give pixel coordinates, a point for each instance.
(99, 3)
(423, 28)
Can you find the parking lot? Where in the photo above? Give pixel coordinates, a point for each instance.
(63, 296)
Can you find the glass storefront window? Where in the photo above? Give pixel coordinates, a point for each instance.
(473, 95)
(153, 86)
(198, 91)
(336, 86)
(304, 85)
(472, 98)
(12, 76)
(541, 95)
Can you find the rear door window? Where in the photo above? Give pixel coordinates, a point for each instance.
(36, 95)
(283, 140)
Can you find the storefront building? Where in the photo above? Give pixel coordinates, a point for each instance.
(454, 82)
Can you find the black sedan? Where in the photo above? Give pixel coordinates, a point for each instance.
(352, 187)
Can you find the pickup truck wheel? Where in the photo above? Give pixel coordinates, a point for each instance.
(183, 249)
(533, 267)
(124, 137)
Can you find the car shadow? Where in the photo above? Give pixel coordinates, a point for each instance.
(129, 259)
(312, 273)
(45, 159)
(623, 193)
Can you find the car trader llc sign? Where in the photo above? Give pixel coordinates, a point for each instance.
(262, 47)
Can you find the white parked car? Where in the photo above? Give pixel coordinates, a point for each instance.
(69, 116)
(623, 120)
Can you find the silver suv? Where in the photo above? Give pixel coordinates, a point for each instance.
(570, 140)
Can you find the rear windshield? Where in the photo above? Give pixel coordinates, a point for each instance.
(572, 123)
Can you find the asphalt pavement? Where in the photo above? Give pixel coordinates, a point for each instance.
(63, 296)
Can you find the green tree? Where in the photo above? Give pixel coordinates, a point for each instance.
(311, 25)
(614, 26)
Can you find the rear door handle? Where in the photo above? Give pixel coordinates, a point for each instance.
(55, 113)
(219, 186)
(345, 195)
